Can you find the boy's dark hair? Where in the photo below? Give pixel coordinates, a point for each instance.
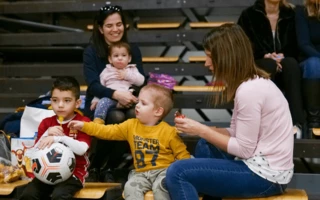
(118, 45)
(67, 83)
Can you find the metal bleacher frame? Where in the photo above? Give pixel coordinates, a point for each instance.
(20, 82)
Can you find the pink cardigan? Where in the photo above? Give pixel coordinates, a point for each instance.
(261, 124)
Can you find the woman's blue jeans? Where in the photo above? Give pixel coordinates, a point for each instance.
(216, 174)
(311, 68)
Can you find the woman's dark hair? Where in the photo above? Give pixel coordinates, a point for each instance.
(97, 39)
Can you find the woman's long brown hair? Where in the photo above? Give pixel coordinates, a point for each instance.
(232, 59)
(313, 9)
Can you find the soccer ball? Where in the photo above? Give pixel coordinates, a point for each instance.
(54, 164)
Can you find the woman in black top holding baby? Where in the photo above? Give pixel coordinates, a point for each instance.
(109, 27)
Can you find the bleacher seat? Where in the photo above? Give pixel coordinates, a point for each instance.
(316, 131)
(207, 24)
(289, 194)
(91, 190)
(158, 25)
(197, 59)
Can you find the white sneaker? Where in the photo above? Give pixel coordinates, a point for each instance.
(297, 131)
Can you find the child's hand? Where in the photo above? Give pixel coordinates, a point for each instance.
(45, 142)
(75, 125)
(93, 105)
(121, 74)
(55, 131)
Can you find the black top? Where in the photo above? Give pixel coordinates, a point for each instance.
(308, 33)
(257, 26)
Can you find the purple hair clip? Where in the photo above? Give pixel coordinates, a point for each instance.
(164, 80)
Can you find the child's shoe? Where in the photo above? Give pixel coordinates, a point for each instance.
(98, 120)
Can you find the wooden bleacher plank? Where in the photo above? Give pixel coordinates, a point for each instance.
(83, 88)
(149, 196)
(95, 190)
(91, 190)
(90, 27)
(76, 69)
(161, 59)
(289, 194)
(7, 188)
(197, 59)
(194, 88)
(181, 100)
(316, 131)
(184, 88)
(207, 24)
(158, 25)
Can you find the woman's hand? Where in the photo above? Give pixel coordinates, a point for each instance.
(277, 57)
(55, 131)
(45, 142)
(93, 105)
(125, 98)
(76, 125)
(268, 55)
(188, 126)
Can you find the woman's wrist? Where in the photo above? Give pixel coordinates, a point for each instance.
(114, 95)
(204, 130)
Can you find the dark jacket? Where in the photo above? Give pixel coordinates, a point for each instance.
(92, 68)
(308, 33)
(256, 25)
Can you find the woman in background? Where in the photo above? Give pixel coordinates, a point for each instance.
(270, 26)
(308, 36)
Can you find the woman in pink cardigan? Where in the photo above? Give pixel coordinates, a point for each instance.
(252, 158)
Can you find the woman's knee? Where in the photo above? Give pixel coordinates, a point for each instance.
(291, 66)
(202, 149)
(289, 61)
(174, 171)
(312, 62)
(311, 67)
(115, 117)
(131, 113)
(268, 65)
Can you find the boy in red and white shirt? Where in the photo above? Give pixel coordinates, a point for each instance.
(65, 98)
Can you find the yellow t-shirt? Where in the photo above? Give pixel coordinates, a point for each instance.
(152, 147)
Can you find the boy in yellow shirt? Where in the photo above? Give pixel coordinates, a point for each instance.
(154, 143)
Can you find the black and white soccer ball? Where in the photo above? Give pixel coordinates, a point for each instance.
(54, 164)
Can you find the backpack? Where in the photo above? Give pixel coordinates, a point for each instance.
(5, 152)
(10, 124)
